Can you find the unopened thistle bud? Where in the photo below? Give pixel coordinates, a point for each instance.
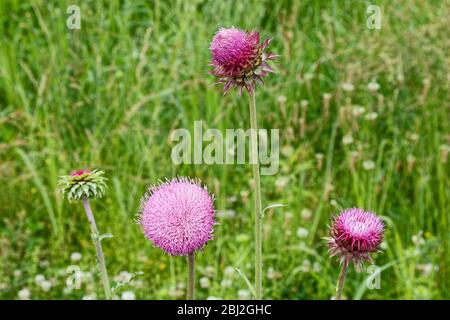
(82, 184)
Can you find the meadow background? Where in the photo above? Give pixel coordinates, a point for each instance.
(109, 95)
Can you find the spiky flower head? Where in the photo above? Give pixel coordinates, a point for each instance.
(355, 234)
(239, 59)
(82, 184)
(178, 216)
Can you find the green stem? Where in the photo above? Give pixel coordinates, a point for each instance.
(98, 249)
(341, 280)
(257, 196)
(191, 277)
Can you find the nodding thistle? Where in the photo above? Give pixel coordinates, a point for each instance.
(178, 216)
(355, 234)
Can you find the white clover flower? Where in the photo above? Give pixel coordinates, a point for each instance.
(128, 295)
(204, 282)
(38, 279)
(229, 271)
(371, 116)
(123, 277)
(373, 86)
(46, 285)
(302, 232)
(24, 294)
(243, 294)
(75, 256)
(306, 213)
(348, 87)
(347, 139)
(368, 165)
(226, 283)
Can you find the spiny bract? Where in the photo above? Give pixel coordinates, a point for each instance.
(239, 59)
(83, 184)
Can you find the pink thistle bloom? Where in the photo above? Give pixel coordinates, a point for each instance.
(355, 234)
(239, 59)
(178, 216)
(79, 172)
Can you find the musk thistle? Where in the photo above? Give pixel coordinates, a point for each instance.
(355, 234)
(178, 217)
(239, 60)
(84, 185)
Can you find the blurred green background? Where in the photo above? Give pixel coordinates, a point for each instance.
(363, 117)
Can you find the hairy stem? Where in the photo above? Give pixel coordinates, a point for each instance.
(98, 249)
(341, 280)
(191, 277)
(257, 196)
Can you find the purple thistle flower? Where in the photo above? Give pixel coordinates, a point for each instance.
(355, 234)
(178, 216)
(239, 59)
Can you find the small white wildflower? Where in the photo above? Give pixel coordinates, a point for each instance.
(229, 271)
(243, 294)
(347, 86)
(46, 285)
(368, 165)
(123, 277)
(92, 296)
(209, 271)
(38, 279)
(317, 267)
(373, 86)
(24, 294)
(281, 99)
(358, 110)
(306, 213)
(282, 182)
(302, 232)
(204, 282)
(347, 139)
(128, 295)
(226, 283)
(75, 256)
(17, 273)
(371, 116)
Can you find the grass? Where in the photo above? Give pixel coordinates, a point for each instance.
(109, 95)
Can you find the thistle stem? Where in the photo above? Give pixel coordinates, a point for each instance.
(341, 280)
(98, 249)
(257, 196)
(191, 277)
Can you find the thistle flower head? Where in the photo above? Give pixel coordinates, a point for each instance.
(178, 216)
(83, 184)
(355, 234)
(239, 60)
